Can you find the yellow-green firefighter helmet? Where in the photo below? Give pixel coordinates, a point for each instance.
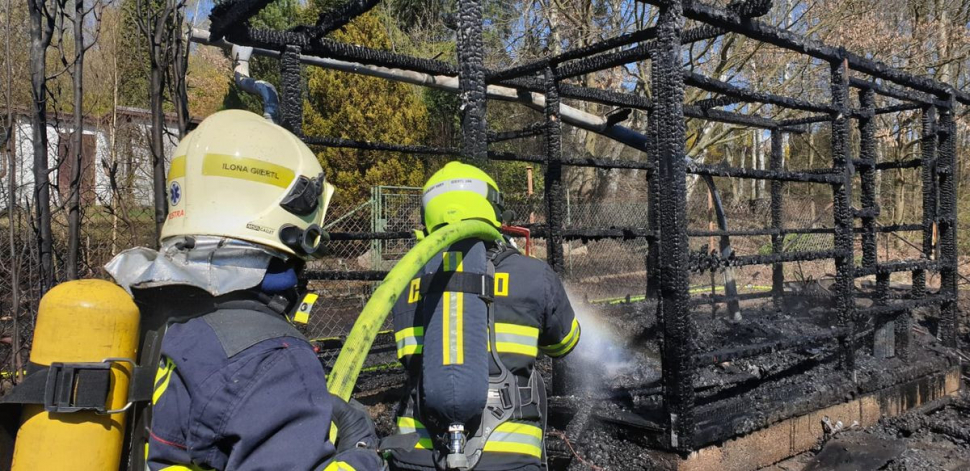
(239, 175)
(459, 192)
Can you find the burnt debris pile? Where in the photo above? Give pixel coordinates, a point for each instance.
(792, 349)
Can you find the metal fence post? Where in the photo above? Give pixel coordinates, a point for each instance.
(678, 330)
(377, 225)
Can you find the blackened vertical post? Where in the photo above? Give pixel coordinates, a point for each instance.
(948, 225)
(471, 81)
(555, 192)
(867, 154)
(653, 208)
(884, 337)
(844, 220)
(555, 195)
(777, 240)
(291, 85)
(928, 145)
(678, 330)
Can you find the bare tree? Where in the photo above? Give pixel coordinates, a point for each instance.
(160, 23)
(15, 364)
(43, 17)
(77, 138)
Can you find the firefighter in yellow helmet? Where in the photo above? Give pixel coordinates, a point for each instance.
(238, 387)
(468, 332)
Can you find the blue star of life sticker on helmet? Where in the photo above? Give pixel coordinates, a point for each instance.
(175, 193)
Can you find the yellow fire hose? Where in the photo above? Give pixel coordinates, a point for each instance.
(351, 358)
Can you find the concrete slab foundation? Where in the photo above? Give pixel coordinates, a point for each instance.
(799, 434)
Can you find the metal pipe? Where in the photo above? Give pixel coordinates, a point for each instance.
(264, 90)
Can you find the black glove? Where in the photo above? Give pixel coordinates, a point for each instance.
(355, 429)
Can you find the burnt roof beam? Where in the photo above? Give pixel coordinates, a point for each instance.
(226, 15)
(332, 20)
(606, 61)
(588, 52)
(853, 114)
(752, 121)
(323, 47)
(896, 93)
(577, 53)
(694, 79)
(763, 32)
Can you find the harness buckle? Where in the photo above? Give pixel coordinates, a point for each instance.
(73, 387)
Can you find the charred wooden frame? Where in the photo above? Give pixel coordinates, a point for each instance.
(663, 148)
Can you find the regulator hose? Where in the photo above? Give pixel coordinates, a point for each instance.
(351, 358)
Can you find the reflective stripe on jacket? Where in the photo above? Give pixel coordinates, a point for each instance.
(532, 314)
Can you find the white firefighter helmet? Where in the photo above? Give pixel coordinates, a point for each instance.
(240, 176)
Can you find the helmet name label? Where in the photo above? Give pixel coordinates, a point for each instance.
(243, 168)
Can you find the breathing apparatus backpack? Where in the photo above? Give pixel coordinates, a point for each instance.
(464, 391)
(101, 400)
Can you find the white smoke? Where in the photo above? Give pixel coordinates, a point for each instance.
(601, 346)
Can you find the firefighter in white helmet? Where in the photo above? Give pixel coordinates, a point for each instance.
(238, 387)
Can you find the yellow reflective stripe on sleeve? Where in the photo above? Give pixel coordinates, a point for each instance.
(519, 349)
(452, 307)
(409, 341)
(339, 466)
(567, 343)
(517, 339)
(412, 425)
(512, 437)
(162, 376)
(503, 328)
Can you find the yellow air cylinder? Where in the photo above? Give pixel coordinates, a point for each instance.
(80, 321)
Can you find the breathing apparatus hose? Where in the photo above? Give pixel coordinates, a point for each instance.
(351, 358)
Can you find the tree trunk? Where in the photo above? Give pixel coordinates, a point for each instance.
(41, 29)
(180, 66)
(156, 89)
(77, 138)
(15, 364)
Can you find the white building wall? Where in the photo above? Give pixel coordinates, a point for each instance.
(141, 156)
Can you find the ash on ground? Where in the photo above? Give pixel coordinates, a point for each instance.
(610, 414)
(931, 439)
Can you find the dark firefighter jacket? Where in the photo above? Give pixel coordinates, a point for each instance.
(241, 389)
(532, 314)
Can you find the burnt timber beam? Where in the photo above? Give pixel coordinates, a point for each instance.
(754, 29)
